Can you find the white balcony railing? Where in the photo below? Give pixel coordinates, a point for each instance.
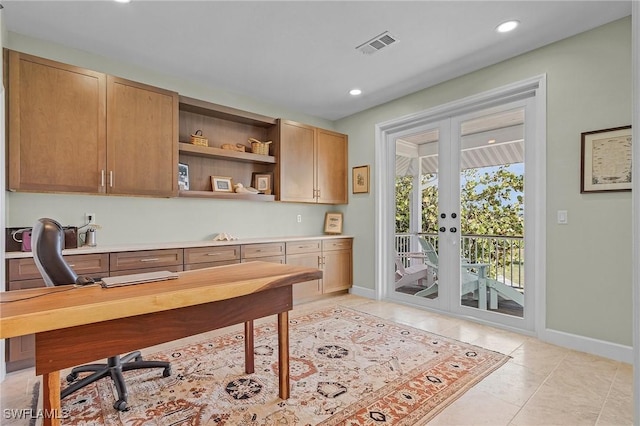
(505, 255)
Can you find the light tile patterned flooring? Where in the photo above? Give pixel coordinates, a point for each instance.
(542, 384)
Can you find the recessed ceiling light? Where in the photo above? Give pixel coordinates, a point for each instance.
(123, 1)
(505, 27)
(491, 141)
(355, 92)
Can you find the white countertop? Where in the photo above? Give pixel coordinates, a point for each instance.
(184, 244)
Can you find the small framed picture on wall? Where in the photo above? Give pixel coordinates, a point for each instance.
(360, 179)
(333, 223)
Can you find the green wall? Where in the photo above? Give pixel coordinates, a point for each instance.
(588, 279)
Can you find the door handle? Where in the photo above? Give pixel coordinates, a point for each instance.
(443, 215)
(453, 229)
(443, 229)
(453, 215)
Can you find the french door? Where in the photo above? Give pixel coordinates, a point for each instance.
(466, 174)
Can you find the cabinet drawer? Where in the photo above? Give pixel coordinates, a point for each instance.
(337, 244)
(194, 266)
(24, 284)
(270, 259)
(145, 259)
(170, 268)
(252, 251)
(211, 254)
(298, 247)
(82, 264)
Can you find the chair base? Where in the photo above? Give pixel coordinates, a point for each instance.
(113, 368)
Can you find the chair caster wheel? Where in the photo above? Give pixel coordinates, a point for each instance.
(120, 405)
(71, 377)
(166, 372)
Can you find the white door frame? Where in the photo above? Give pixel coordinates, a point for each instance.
(535, 208)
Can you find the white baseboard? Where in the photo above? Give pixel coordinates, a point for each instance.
(369, 293)
(589, 345)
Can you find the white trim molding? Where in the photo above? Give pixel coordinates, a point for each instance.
(363, 292)
(589, 345)
(635, 47)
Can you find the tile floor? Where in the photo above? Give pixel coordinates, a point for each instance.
(542, 384)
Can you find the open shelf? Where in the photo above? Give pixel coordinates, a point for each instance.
(210, 152)
(209, 109)
(226, 195)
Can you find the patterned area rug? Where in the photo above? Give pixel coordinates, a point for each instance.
(347, 368)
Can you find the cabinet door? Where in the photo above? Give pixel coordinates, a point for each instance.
(56, 127)
(142, 139)
(337, 273)
(331, 164)
(307, 288)
(296, 163)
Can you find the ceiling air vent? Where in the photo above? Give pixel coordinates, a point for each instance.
(377, 43)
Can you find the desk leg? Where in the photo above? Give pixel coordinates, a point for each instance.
(283, 353)
(51, 399)
(249, 365)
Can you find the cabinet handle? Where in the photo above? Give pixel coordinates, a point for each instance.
(150, 259)
(214, 254)
(111, 178)
(102, 178)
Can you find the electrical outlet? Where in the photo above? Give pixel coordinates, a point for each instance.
(90, 218)
(299, 218)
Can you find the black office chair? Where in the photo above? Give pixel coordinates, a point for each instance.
(47, 242)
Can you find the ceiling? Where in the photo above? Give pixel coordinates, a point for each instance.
(301, 55)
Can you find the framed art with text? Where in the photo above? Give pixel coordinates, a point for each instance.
(606, 160)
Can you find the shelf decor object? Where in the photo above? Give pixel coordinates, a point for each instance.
(606, 160)
(198, 139)
(263, 182)
(333, 223)
(360, 180)
(258, 147)
(183, 177)
(221, 184)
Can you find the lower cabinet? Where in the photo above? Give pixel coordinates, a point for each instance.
(23, 274)
(309, 254)
(333, 256)
(337, 264)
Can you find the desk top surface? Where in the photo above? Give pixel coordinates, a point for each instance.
(43, 309)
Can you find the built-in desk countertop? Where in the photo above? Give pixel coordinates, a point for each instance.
(114, 248)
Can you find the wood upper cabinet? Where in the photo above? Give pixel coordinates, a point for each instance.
(56, 127)
(77, 130)
(142, 139)
(312, 164)
(331, 167)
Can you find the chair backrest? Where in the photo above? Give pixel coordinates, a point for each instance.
(47, 242)
(428, 250)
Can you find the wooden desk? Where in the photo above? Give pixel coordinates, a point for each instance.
(75, 325)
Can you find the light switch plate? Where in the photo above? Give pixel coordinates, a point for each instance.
(563, 217)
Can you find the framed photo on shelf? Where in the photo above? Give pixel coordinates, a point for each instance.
(221, 184)
(263, 182)
(333, 223)
(605, 160)
(183, 177)
(360, 180)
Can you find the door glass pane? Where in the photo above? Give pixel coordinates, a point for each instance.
(492, 213)
(416, 238)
